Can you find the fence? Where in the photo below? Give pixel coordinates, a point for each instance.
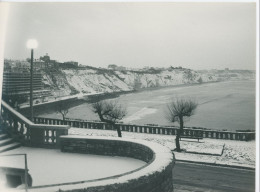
(28, 133)
(215, 134)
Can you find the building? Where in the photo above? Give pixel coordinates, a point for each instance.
(7, 65)
(46, 58)
(115, 67)
(45, 62)
(16, 66)
(18, 84)
(69, 64)
(39, 64)
(23, 65)
(112, 66)
(49, 63)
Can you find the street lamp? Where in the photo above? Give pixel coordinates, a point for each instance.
(31, 44)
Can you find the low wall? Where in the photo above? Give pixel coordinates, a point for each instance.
(155, 176)
(107, 147)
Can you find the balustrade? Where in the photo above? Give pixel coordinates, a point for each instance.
(29, 134)
(152, 129)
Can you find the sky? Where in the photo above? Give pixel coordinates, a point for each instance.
(204, 35)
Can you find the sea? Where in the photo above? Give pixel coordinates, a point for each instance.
(227, 105)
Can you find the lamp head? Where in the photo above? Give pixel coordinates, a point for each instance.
(32, 44)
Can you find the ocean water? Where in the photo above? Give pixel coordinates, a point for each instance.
(226, 105)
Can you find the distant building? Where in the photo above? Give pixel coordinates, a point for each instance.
(70, 64)
(16, 66)
(23, 64)
(115, 67)
(45, 58)
(121, 68)
(49, 63)
(38, 63)
(7, 65)
(44, 62)
(112, 66)
(145, 68)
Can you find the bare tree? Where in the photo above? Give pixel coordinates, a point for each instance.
(62, 108)
(200, 80)
(110, 111)
(178, 110)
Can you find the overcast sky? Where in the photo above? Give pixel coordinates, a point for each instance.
(192, 35)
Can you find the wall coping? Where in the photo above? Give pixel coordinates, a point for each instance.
(162, 158)
(43, 126)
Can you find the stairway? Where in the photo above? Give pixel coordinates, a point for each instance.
(7, 143)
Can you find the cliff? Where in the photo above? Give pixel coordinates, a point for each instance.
(90, 80)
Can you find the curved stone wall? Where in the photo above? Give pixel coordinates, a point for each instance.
(155, 176)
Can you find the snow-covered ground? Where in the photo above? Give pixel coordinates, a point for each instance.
(51, 166)
(217, 151)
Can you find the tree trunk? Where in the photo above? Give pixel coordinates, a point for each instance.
(118, 131)
(181, 125)
(177, 142)
(179, 133)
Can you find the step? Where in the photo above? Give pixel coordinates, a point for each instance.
(3, 136)
(5, 141)
(9, 147)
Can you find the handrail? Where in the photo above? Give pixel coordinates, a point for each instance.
(17, 114)
(43, 126)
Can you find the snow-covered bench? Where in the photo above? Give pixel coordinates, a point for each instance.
(191, 137)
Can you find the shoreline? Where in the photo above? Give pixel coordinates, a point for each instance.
(75, 100)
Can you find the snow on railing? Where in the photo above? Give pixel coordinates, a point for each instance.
(151, 129)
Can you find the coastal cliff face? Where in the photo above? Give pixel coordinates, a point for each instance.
(89, 80)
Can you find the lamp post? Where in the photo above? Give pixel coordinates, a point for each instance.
(31, 44)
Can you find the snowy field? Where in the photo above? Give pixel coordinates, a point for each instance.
(51, 166)
(238, 153)
(225, 105)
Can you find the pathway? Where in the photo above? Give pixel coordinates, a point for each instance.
(197, 177)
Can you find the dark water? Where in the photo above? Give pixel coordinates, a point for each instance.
(225, 105)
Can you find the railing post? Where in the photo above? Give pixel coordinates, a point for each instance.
(22, 128)
(15, 126)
